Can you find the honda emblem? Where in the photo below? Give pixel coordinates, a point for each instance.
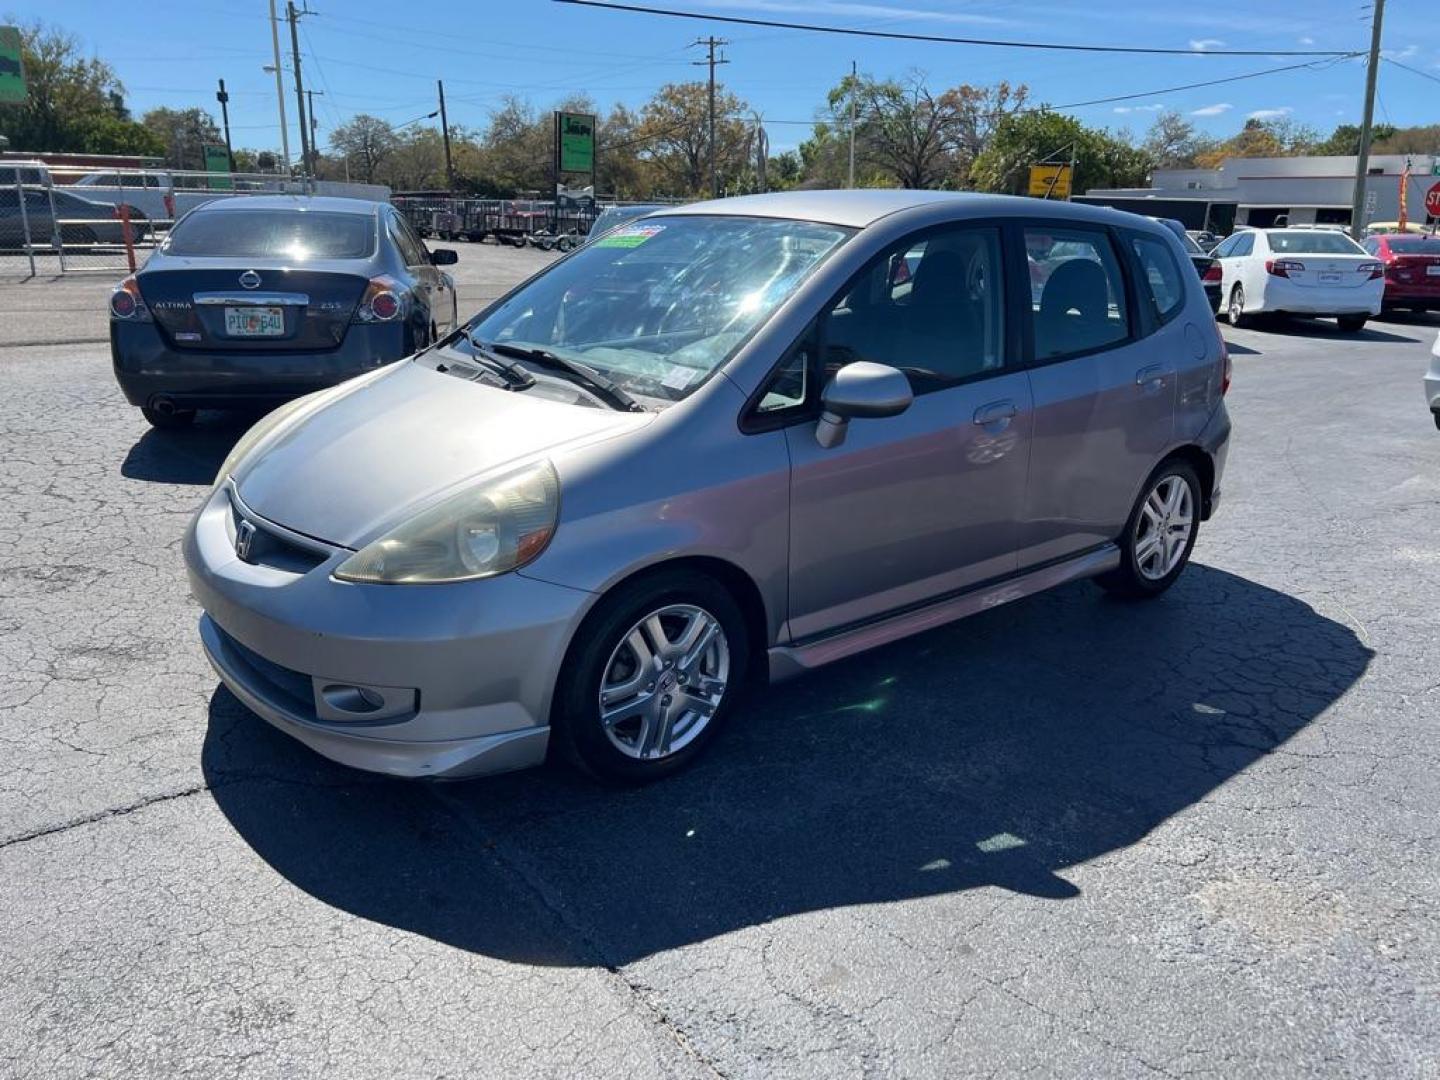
(244, 538)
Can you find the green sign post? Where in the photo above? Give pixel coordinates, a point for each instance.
(217, 160)
(575, 142)
(12, 68)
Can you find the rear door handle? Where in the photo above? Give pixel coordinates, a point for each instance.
(995, 412)
(1150, 376)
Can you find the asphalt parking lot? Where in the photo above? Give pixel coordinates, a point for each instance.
(1068, 837)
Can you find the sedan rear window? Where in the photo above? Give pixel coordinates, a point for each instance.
(1414, 245)
(1308, 242)
(288, 234)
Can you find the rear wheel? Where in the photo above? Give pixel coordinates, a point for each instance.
(1238, 318)
(1352, 324)
(169, 419)
(1159, 535)
(651, 678)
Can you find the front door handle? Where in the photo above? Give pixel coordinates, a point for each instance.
(1150, 377)
(995, 412)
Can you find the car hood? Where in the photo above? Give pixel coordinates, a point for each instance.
(367, 460)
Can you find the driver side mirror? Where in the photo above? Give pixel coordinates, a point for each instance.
(860, 390)
(444, 257)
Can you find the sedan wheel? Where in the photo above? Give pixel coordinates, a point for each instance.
(650, 677)
(1238, 318)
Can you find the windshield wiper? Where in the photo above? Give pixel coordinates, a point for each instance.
(516, 377)
(587, 377)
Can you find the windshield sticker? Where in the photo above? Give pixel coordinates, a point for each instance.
(631, 236)
(679, 377)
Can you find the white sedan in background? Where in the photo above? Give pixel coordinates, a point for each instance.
(1314, 272)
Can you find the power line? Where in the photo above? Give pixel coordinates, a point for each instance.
(1412, 70)
(945, 40)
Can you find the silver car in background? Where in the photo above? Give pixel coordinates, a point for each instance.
(735, 440)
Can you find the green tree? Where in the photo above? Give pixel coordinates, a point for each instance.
(1025, 139)
(1345, 139)
(363, 144)
(1174, 142)
(184, 134)
(674, 125)
(76, 102)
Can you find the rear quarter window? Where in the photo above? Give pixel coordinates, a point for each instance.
(1161, 283)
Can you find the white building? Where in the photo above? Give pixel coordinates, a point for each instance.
(1279, 190)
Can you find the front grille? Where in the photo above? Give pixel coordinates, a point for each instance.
(270, 548)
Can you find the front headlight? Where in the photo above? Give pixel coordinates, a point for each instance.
(492, 528)
(261, 428)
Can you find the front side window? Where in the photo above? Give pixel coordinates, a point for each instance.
(659, 304)
(1165, 286)
(933, 308)
(287, 234)
(1077, 292)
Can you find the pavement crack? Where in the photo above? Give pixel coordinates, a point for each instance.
(103, 815)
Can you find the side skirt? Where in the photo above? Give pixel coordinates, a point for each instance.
(787, 661)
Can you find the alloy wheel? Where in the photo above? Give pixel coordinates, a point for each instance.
(1162, 533)
(664, 681)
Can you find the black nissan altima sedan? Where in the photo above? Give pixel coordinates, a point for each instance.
(253, 300)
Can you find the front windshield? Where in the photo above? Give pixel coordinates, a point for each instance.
(657, 305)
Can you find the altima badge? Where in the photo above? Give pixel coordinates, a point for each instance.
(244, 537)
(250, 279)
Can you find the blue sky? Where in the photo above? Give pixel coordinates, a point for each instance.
(170, 52)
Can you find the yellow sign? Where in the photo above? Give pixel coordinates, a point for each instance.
(1050, 181)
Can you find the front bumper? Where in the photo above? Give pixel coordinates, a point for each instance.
(148, 367)
(414, 681)
(1283, 295)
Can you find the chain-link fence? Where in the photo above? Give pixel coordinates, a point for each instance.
(57, 219)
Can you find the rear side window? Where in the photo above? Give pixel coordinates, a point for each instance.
(1163, 283)
(288, 234)
(1077, 292)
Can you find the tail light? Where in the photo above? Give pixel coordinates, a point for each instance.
(1212, 273)
(1283, 267)
(1395, 270)
(384, 301)
(127, 303)
(1372, 270)
(1225, 364)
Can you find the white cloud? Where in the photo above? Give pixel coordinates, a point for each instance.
(851, 8)
(1409, 52)
(1270, 114)
(1122, 109)
(1307, 40)
(1204, 44)
(1213, 110)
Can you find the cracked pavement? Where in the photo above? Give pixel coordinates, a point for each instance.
(1189, 838)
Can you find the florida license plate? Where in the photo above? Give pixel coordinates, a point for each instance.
(255, 321)
(1433, 271)
(1329, 278)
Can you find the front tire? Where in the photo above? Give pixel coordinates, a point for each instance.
(651, 678)
(1238, 318)
(1159, 535)
(1352, 324)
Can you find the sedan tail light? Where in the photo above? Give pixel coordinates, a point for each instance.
(384, 301)
(1372, 270)
(1283, 267)
(127, 303)
(1213, 273)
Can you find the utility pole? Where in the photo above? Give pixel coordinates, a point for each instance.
(711, 43)
(445, 134)
(1362, 159)
(854, 87)
(223, 98)
(279, 87)
(314, 145)
(294, 18)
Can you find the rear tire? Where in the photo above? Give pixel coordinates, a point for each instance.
(1238, 318)
(168, 421)
(1352, 324)
(1154, 548)
(671, 677)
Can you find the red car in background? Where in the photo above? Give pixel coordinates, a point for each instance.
(1412, 269)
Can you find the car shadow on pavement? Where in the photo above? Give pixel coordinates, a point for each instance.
(997, 751)
(188, 455)
(1326, 328)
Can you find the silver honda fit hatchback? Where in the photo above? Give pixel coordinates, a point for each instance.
(732, 440)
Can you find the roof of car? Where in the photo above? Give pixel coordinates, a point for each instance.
(861, 207)
(331, 203)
